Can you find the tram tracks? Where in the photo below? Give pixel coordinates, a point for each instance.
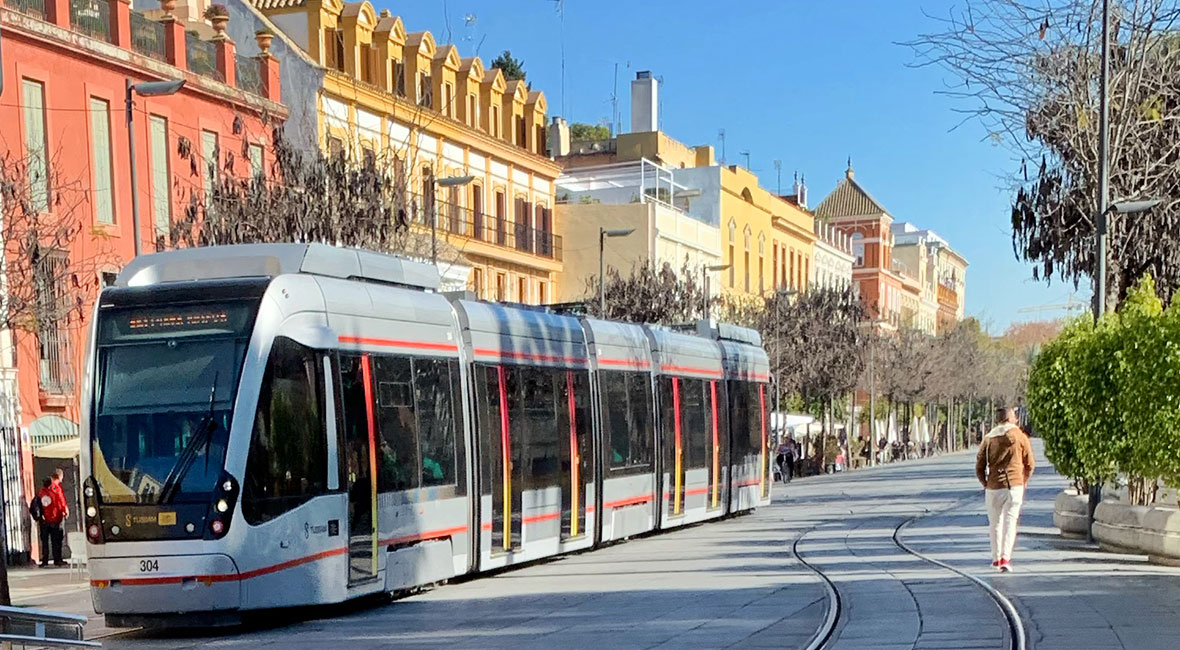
(825, 635)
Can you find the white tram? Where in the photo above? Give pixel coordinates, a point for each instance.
(295, 424)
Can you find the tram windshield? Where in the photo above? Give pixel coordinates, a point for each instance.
(164, 397)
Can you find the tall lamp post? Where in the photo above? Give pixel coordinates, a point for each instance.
(705, 271)
(143, 89)
(603, 233)
(449, 181)
(783, 294)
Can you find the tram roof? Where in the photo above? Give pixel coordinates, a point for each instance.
(269, 260)
(618, 346)
(678, 353)
(501, 332)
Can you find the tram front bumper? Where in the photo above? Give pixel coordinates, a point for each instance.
(164, 584)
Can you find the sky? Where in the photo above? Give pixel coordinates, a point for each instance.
(809, 82)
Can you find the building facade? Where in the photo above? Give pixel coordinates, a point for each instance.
(833, 257)
(854, 212)
(640, 195)
(940, 272)
(400, 100)
(66, 69)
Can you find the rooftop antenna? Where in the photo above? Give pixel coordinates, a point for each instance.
(778, 172)
(747, 155)
(561, 17)
(721, 136)
(614, 104)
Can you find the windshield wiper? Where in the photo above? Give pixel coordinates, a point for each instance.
(201, 437)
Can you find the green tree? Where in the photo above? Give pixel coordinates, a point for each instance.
(582, 131)
(512, 68)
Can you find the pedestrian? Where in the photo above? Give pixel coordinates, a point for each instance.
(1003, 465)
(788, 458)
(54, 511)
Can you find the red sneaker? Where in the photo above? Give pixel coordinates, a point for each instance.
(1005, 566)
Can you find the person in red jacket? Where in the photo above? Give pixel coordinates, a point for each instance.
(55, 510)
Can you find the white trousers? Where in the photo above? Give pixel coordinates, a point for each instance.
(1003, 510)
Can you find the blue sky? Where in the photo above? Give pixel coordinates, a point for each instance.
(809, 83)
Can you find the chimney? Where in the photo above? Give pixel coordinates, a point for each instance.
(559, 138)
(801, 192)
(644, 103)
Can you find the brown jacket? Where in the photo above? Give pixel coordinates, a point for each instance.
(1005, 458)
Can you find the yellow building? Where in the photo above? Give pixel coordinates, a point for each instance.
(769, 242)
(399, 99)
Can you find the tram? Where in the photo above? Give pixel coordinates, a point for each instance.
(281, 425)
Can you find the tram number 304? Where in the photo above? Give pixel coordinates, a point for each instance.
(149, 566)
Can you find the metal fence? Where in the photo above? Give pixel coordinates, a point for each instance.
(202, 56)
(37, 628)
(498, 231)
(147, 37)
(91, 17)
(34, 8)
(248, 74)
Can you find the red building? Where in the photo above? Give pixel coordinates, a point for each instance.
(856, 213)
(64, 140)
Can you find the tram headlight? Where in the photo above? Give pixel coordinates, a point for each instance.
(93, 531)
(89, 491)
(189, 528)
(217, 527)
(227, 486)
(222, 506)
(115, 530)
(91, 511)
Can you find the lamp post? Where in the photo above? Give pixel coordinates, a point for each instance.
(449, 181)
(705, 270)
(143, 89)
(783, 294)
(603, 233)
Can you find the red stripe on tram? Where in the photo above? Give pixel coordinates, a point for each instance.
(628, 363)
(395, 343)
(508, 354)
(631, 501)
(689, 369)
(575, 476)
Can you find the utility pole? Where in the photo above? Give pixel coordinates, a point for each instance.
(873, 392)
(778, 172)
(5, 595)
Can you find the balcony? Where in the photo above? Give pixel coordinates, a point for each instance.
(34, 8)
(91, 17)
(459, 221)
(947, 296)
(147, 37)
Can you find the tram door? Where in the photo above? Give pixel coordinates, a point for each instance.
(358, 431)
(499, 433)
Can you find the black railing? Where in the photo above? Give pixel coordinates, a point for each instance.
(202, 56)
(91, 17)
(34, 8)
(464, 222)
(248, 74)
(147, 36)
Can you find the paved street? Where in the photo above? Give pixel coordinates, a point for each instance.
(740, 584)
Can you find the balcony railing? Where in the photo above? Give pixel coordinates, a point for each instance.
(147, 36)
(247, 73)
(502, 232)
(34, 8)
(91, 17)
(202, 56)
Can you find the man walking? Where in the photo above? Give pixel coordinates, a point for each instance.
(54, 511)
(1003, 465)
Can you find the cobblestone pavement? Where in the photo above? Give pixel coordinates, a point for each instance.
(740, 584)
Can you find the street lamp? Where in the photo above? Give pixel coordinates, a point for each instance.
(449, 181)
(872, 387)
(783, 294)
(143, 89)
(705, 270)
(603, 233)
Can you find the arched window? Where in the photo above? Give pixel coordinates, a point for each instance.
(761, 263)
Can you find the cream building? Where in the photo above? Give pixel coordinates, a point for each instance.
(833, 258)
(940, 273)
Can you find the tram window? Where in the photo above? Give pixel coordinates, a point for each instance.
(437, 421)
(694, 418)
(287, 462)
(626, 412)
(397, 453)
(616, 417)
(740, 414)
(642, 427)
(531, 403)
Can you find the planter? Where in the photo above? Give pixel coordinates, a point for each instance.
(168, 6)
(264, 40)
(219, 23)
(1161, 535)
(1118, 527)
(1071, 513)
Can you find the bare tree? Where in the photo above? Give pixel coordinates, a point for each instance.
(1027, 70)
(649, 294)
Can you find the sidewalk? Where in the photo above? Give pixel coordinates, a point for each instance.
(58, 590)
